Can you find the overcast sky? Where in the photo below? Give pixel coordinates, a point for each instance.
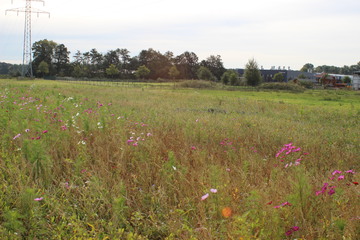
(286, 33)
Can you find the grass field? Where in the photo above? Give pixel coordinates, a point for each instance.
(80, 161)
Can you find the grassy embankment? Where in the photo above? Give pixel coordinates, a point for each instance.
(99, 162)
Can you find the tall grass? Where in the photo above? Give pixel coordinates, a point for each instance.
(97, 162)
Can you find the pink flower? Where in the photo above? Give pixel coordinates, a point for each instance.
(27, 130)
(38, 199)
(213, 190)
(18, 135)
(335, 172)
(286, 204)
(193, 148)
(295, 228)
(288, 233)
(341, 177)
(204, 197)
(45, 131)
(331, 191)
(350, 171)
(63, 127)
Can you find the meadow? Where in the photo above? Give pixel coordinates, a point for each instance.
(139, 162)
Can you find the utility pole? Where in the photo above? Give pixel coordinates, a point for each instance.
(28, 10)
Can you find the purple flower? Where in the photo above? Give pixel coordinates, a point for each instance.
(335, 172)
(295, 228)
(213, 190)
(204, 197)
(18, 135)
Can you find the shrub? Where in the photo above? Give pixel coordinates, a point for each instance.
(230, 77)
(282, 86)
(306, 84)
(196, 84)
(205, 74)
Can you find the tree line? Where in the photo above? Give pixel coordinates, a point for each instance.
(53, 59)
(345, 70)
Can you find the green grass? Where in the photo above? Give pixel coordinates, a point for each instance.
(131, 162)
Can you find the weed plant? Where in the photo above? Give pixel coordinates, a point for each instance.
(97, 162)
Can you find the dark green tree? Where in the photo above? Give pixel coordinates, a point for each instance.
(215, 65)
(61, 60)
(187, 63)
(204, 73)
(230, 77)
(157, 63)
(308, 67)
(252, 73)
(43, 51)
(279, 77)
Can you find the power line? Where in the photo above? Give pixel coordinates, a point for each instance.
(27, 70)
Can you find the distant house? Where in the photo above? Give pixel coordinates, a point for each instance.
(268, 75)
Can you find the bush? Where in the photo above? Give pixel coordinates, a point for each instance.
(230, 77)
(282, 86)
(306, 84)
(196, 84)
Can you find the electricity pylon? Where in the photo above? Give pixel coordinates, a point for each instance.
(28, 10)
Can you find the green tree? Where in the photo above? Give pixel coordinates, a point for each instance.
(187, 63)
(43, 50)
(230, 77)
(61, 59)
(279, 77)
(142, 72)
(173, 72)
(204, 73)
(308, 67)
(112, 71)
(215, 65)
(43, 68)
(252, 73)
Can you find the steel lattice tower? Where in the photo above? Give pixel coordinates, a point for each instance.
(28, 10)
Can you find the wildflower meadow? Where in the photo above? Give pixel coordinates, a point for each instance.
(143, 162)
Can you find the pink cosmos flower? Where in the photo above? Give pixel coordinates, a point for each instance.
(193, 148)
(18, 135)
(341, 177)
(350, 171)
(38, 199)
(213, 190)
(331, 191)
(335, 172)
(45, 131)
(63, 127)
(288, 233)
(204, 197)
(295, 228)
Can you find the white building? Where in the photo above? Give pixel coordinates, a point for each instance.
(356, 80)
